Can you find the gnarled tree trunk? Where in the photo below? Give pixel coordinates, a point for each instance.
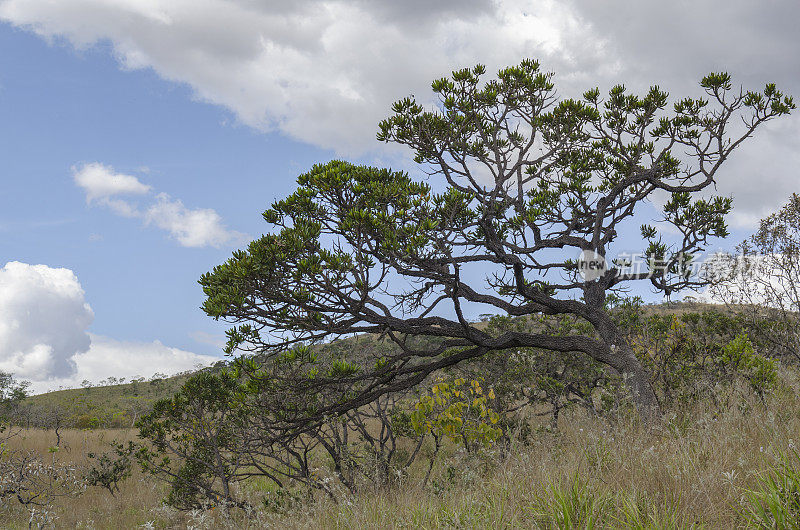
(637, 380)
(618, 354)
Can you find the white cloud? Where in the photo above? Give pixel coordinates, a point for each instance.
(326, 71)
(43, 320)
(101, 182)
(44, 339)
(199, 227)
(191, 228)
(109, 357)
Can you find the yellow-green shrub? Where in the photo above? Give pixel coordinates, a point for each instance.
(460, 411)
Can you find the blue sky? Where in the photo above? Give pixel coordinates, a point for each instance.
(220, 106)
(60, 108)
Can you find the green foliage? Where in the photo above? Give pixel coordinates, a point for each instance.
(689, 356)
(696, 354)
(12, 393)
(459, 410)
(738, 357)
(221, 432)
(762, 282)
(192, 440)
(535, 376)
(110, 406)
(556, 177)
(367, 250)
(11, 390)
(109, 469)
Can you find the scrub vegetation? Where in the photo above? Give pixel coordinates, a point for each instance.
(357, 393)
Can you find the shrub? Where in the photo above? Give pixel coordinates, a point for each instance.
(459, 410)
(696, 355)
(546, 380)
(218, 433)
(111, 468)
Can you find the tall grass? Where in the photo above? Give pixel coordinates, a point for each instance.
(775, 503)
(703, 468)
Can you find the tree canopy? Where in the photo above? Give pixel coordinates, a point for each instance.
(525, 182)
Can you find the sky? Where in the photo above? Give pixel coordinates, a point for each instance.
(140, 140)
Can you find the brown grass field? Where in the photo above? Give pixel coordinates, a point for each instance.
(694, 471)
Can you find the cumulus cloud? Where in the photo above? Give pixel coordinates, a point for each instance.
(43, 321)
(44, 338)
(199, 227)
(109, 357)
(326, 71)
(101, 182)
(191, 228)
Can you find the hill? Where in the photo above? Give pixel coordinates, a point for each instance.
(119, 405)
(99, 406)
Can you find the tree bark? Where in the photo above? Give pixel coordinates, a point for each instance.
(637, 380)
(620, 356)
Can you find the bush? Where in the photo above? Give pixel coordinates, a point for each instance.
(109, 469)
(546, 381)
(218, 435)
(458, 410)
(696, 355)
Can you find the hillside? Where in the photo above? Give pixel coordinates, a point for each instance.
(694, 472)
(119, 405)
(730, 420)
(103, 406)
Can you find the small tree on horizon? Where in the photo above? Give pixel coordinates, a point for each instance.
(763, 280)
(527, 182)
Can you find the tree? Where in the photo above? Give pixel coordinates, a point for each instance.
(12, 393)
(528, 183)
(217, 431)
(763, 280)
(535, 380)
(26, 475)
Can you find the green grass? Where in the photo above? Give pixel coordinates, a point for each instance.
(775, 502)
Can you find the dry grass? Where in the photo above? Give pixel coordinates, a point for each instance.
(692, 473)
(96, 508)
(694, 470)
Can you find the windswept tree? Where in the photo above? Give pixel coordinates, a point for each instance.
(525, 183)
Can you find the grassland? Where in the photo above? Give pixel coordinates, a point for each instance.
(111, 405)
(704, 466)
(695, 470)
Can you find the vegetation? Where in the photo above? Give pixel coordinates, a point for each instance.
(529, 184)
(358, 403)
(761, 280)
(706, 466)
(111, 405)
